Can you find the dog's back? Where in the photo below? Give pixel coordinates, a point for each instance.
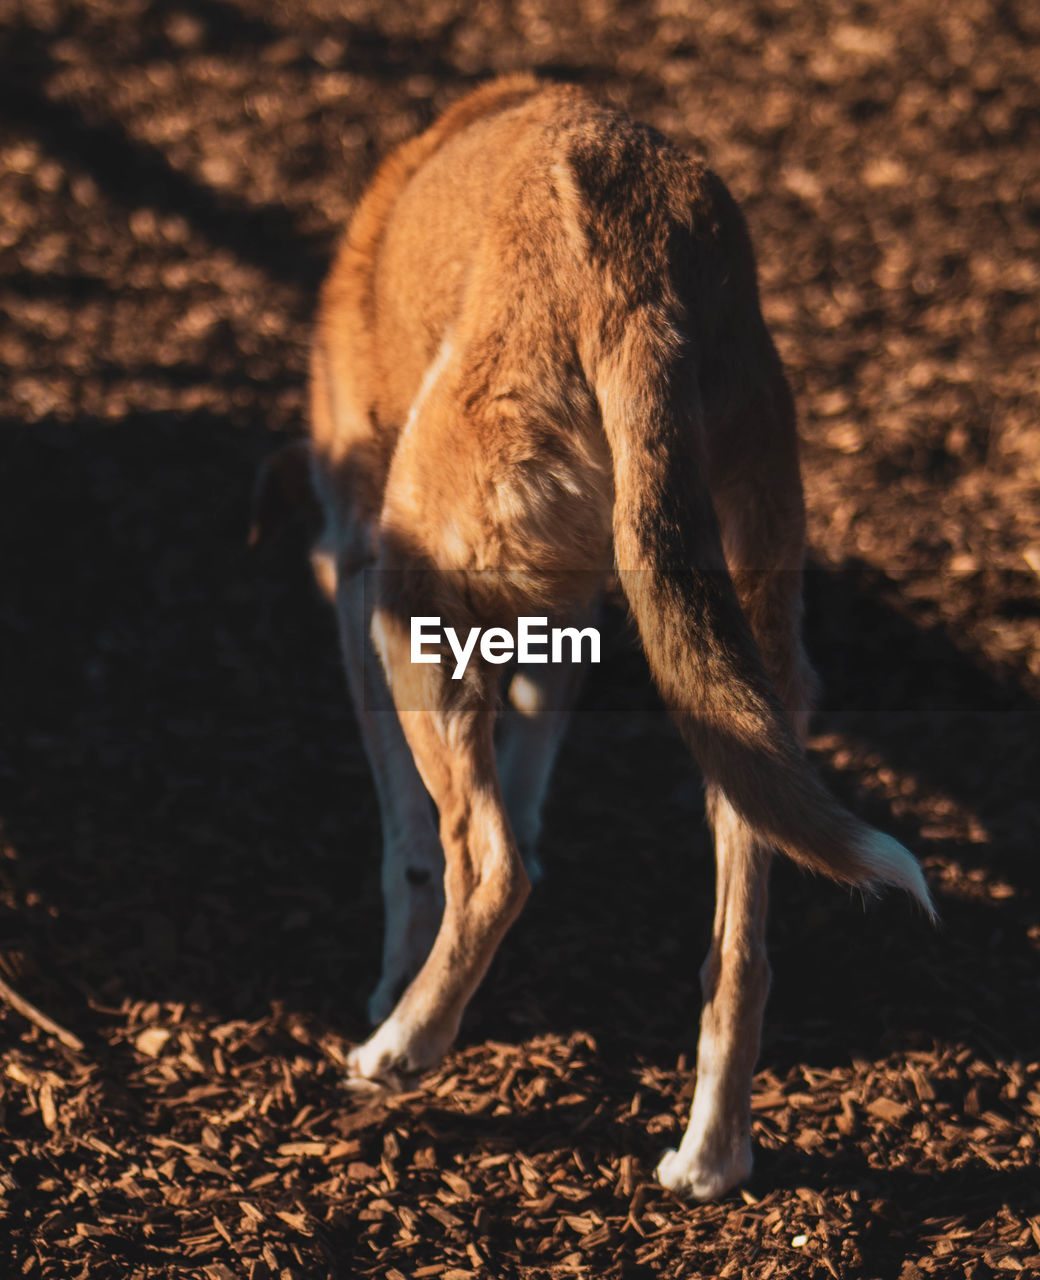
(517, 229)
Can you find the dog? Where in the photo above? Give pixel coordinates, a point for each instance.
(539, 359)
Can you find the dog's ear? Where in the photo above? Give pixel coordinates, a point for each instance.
(283, 492)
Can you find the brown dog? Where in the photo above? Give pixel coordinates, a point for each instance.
(539, 354)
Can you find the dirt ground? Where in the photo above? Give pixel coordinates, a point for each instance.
(189, 879)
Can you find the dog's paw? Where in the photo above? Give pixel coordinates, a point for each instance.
(702, 1179)
(370, 1073)
(394, 1055)
(383, 1061)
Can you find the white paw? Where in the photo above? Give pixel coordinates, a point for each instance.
(379, 1061)
(701, 1179)
(394, 1053)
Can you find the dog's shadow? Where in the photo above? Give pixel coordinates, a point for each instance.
(184, 783)
(188, 818)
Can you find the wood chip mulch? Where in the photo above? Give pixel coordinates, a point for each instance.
(189, 905)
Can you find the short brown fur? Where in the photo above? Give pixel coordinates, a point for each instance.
(540, 353)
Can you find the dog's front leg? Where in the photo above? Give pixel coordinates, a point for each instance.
(715, 1153)
(538, 705)
(413, 864)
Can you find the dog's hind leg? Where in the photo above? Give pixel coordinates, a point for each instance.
(761, 519)
(449, 727)
(715, 1153)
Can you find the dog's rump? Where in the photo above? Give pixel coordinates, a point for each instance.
(583, 284)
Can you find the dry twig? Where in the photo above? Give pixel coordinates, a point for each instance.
(39, 1018)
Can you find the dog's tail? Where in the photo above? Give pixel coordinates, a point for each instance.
(698, 643)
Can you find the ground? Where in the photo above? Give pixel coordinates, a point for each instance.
(189, 880)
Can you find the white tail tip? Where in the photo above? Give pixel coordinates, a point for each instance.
(887, 862)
